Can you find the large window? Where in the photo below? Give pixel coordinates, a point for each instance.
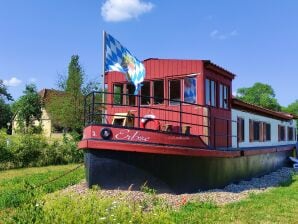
(254, 131)
(118, 97)
(266, 132)
(145, 93)
(240, 129)
(190, 88)
(158, 92)
(130, 98)
(281, 133)
(174, 91)
(210, 92)
(290, 133)
(223, 96)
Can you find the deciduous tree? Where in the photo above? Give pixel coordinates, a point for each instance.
(28, 107)
(259, 94)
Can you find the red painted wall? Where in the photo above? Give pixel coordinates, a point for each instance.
(168, 69)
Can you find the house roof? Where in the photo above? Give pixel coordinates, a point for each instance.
(48, 94)
(239, 104)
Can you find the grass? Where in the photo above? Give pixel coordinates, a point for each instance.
(278, 205)
(18, 186)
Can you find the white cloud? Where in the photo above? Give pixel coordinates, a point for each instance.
(121, 10)
(215, 34)
(12, 82)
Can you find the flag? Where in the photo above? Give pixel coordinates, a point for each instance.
(119, 59)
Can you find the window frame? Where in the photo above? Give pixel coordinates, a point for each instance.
(183, 89)
(281, 133)
(224, 102)
(208, 83)
(122, 100)
(163, 91)
(146, 97)
(240, 129)
(169, 91)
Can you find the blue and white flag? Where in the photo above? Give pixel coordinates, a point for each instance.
(118, 58)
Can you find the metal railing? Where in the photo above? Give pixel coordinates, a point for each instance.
(175, 112)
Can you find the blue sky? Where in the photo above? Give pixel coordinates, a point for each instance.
(256, 40)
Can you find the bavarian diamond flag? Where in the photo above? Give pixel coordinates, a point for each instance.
(118, 58)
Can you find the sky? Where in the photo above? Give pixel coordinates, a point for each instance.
(256, 40)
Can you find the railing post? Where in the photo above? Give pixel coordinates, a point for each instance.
(85, 104)
(228, 134)
(180, 115)
(139, 110)
(92, 114)
(214, 132)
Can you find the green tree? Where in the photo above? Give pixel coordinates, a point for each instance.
(5, 110)
(3, 92)
(67, 110)
(28, 108)
(259, 94)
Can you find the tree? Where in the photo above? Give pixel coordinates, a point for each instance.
(28, 108)
(67, 110)
(5, 110)
(3, 92)
(259, 94)
(292, 108)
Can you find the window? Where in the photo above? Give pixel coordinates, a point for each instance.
(240, 129)
(145, 93)
(130, 98)
(281, 133)
(223, 96)
(210, 92)
(118, 91)
(266, 132)
(158, 91)
(174, 91)
(290, 133)
(255, 132)
(190, 88)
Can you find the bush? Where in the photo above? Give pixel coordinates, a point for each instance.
(27, 150)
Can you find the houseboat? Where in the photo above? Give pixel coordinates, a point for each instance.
(184, 128)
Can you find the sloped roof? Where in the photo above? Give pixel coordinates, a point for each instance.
(239, 104)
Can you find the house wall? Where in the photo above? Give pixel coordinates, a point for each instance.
(274, 129)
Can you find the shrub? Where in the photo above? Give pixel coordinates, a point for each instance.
(27, 150)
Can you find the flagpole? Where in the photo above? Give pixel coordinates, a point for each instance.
(103, 72)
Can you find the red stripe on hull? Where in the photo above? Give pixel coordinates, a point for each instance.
(154, 149)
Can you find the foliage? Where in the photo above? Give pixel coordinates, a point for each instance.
(3, 92)
(292, 108)
(259, 94)
(27, 150)
(67, 110)
(28, 108)
(6, 114)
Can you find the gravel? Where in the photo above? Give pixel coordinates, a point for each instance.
(231, 193)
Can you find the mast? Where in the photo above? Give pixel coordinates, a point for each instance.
(103, 72)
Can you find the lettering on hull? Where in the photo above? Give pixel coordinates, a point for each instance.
(131, 135)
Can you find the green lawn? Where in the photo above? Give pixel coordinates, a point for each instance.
(278, 205)
(21, 186)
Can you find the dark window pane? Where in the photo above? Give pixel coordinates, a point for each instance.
(145, 93)
(207, 92)
(213, 93)
(225, 97)
(175, 91)
(158, 91)
(190, 88)
(118, 91)
(221, 97)
(130, 98)
(256, 127)
(268, 132)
